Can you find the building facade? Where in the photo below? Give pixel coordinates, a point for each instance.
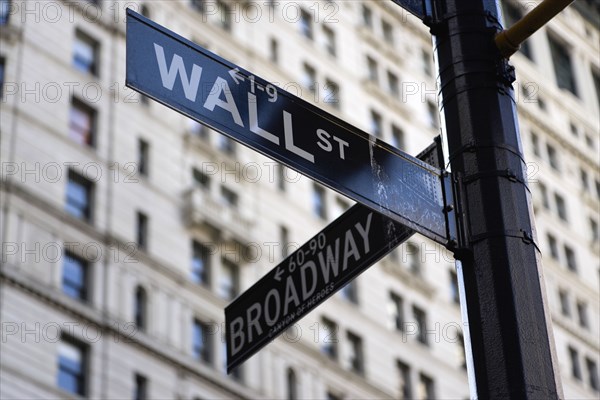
(126, 228)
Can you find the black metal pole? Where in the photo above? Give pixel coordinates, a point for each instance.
(509, 322)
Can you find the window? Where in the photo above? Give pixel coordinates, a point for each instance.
(226, 145)
(284, 237)
(388, 32)
(200, 179)
(553, 157)
(582, 315)
(592, 369)
(433, 115)
(197, 129)
(413, 258)
(201, 345)
(75, 277)
(2, 67)
(367, 16)
(330, 45)
(454, 294)
(306, 28)
(561, 208)
(426, 390)
(575, 367)
(142, 230)
(571, 261)
(199, 5)
(200, 272)
(281, 177)
(328, 338)
(72, 366)
(140, 390)
(319, 206)
(225, 12)
(420, 320)
(535, 144)
(356, 358)
(144, 10)
(79, 196)
(85, 54)
(4, 12)
(143, 157)
(397, 137)
(426, 60)
(373, 70)
(309, 78)
(393, 84)
(511, 15)
(229, 197)
(565, 307)
(333, 396)
(82, 123)
(229, 280)
(553, 246)
(594, 230)
(563, 70)
(376, 125)
(274, 50)
(396, 311)
(544, 195)
(332, 94)
(584, 179)
(292, 385)
(404, 386)
(589, 141)
(460, 350)
(350, 292)
(596, 79)
(140, 308)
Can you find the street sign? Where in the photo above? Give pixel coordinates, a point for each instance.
(323, 265)
(420, 8)
(252, 111)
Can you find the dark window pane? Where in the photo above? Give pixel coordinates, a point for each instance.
(142, 230)
(140, 391)
(74, 278)
(4, 12)
(85, 53)
(72, 367)
(565, 77)
(140, 305)
(200, 263)
(79, 193)
(82, 121)
(201, 344)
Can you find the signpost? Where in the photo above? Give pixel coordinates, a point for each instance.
(306, 278)
(501, 292)
(235, 102)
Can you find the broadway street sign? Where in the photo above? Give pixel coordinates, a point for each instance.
(306, 278)
(235, 102)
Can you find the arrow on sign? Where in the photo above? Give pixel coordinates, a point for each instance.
(197, 83)
(278, 273)
(236, 76)
(323, 265)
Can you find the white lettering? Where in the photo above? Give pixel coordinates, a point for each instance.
(253, 111)
(214, 99)
(289, 139)
(190, 86)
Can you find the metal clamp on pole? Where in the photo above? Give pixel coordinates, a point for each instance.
(509, 40)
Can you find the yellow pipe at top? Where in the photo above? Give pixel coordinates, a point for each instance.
(509, 40)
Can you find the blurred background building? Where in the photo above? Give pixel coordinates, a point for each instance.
(126, 228)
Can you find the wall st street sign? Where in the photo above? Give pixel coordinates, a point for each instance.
(203, 86)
